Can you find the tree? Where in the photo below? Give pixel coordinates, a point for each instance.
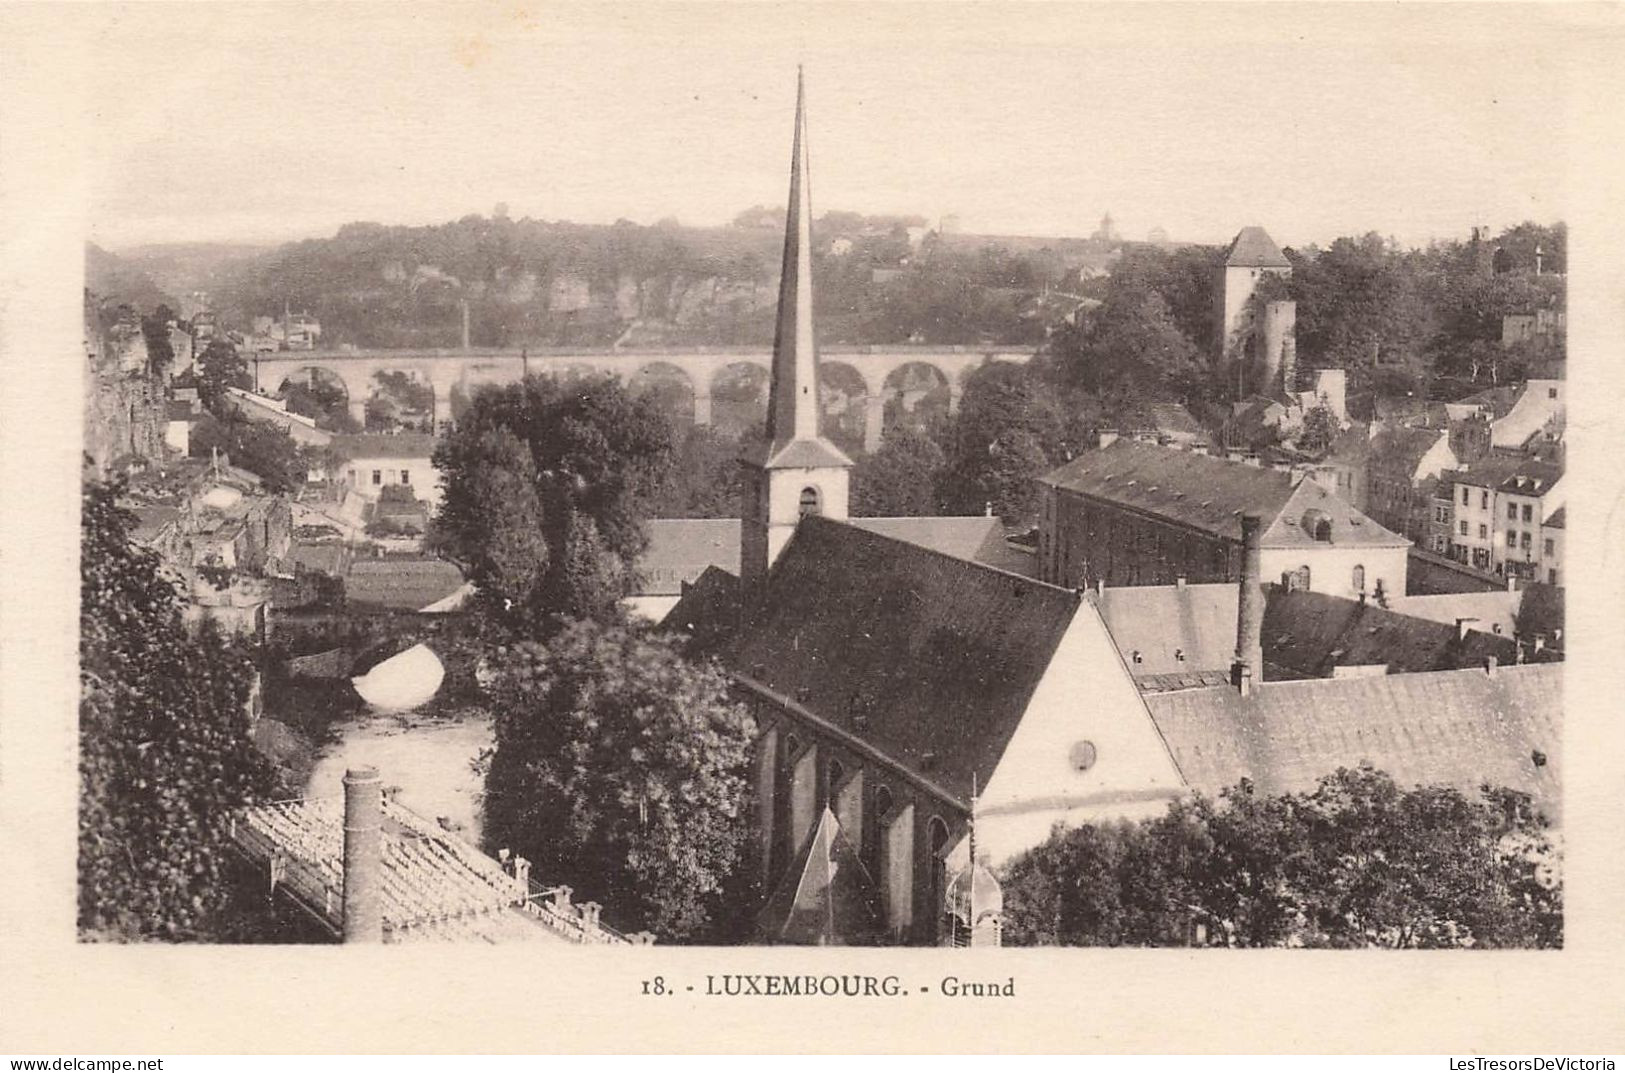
(155, 330)
(1356, 862)
(901, 478)
(324, 401)
(1319, 429)
(622, 769)
(220, 367)
(164, 750)
(259, 447)
(1012, 426)
(593, 456)
(704, 478)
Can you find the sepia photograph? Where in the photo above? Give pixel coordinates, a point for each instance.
(1007, 477)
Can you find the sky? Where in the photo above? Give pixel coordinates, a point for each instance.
(268, 123)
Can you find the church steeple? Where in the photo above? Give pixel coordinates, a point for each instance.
(798, 471)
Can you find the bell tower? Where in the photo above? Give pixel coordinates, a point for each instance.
(797, 472)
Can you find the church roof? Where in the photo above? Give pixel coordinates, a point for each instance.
(929, 659)
(1159, 623)
(1459, 728)
(1253, 248)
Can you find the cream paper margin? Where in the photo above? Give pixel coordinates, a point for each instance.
(59, 997)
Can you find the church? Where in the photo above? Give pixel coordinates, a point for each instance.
(924, 717)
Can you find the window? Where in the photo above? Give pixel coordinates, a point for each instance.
(1527, 542)
(1463, 528)
(377, 476)
(1465, 492)
(836, 774)
(1527, 515)
(1512, 512)
(1438, 542)
(1323, 531)
(1358, 580)
(809, 501)
(1298, 579)
(1483, 501)
(1551, 576)
(1551, 393)
(406, 476)
(1441, 514)
(882, 802)
(1483, 532)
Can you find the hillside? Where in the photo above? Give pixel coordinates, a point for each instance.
(117, 281)
(534, 283)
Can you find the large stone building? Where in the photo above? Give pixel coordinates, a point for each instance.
(1140, 514)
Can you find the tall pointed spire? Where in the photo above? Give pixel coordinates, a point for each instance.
(797, 472)
(792, 405)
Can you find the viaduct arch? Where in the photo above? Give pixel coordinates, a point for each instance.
(884, 371)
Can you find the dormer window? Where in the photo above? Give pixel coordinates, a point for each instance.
(809, 502)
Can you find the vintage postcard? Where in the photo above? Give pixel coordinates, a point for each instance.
(978, 527)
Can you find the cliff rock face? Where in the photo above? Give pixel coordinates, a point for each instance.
(124, 399)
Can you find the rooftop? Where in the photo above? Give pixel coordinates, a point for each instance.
(1253, 248)
(399, 445)
(1462, 728)
(1211, 494)
(680, 549)
(435, 886)
(937, 656)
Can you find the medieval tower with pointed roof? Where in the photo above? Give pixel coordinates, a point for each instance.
(797, 472)
(1258, 341)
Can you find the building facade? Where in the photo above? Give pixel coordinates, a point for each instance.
(1139, 514)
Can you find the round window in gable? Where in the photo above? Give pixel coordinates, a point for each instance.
(1082, 755)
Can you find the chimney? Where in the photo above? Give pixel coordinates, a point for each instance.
(1512, 583)
(363, 856)
(1249, 661)
(1179, 582)
(1537, 258)
(1540, 642)
(1100, 587)
(1490, 663)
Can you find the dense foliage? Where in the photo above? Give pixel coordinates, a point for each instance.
(164, 753)
(1358, 862)
(220, 367)
(546, 486)
(261, 448)
(621, 769)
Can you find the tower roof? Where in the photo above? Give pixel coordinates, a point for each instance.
(792, 404)
(1253, 248)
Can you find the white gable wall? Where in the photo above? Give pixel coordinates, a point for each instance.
(1086, 695)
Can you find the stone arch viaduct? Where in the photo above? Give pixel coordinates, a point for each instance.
(468, 369)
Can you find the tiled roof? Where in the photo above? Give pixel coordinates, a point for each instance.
(403, 445)
(1488, 609)
(1173, 418)
(1311, 633)
(1455, 728)
(1211, 494)
(434, 886)
(1160, 622)
(1558, 520)
(1399, 450)
(680, 549)
(708, 611)
(1532, 478)
(1253, 248)
(928, 658)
